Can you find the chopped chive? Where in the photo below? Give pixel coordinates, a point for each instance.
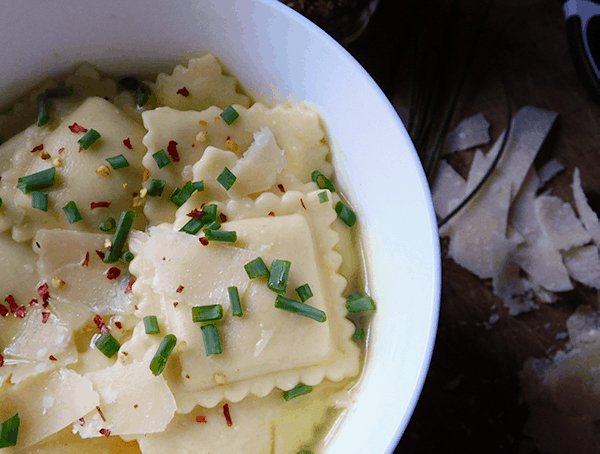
(323, 197)
(161, 158)
(221, 235)
(192, 227)
(298, 390)
(199, 185)
(59, 92)
(108, 225)
(180, 196)
(118, 162)
(229, 115)
(213, 226)
(37, 181)
(142, 94)
(234, 300)
(345, 214)
(0, 202)
(43, 110)
(156, 188)
(151, 325)
(159, 362)
(9, 431)
(256, 268)
(322, 181)
(280, 270)
(120, 236)
(72, 212)
(358, 303)
(89, 139)
(39, 200)
(108, 345)
(127, 256)
(359, 333)
(226, 179)
(210, 213)
(290, 305)
(304, 292)
(304, 452)
(212, 342)
(207, 313)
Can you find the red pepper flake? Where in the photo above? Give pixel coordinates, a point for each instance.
(43, 292)
(75, 128)
(204, 241)
(172, 150)
(113, 273)
(45, 156)
(183, 92)
(95, 205)
(60, 150)
(227, 415)
(11, 303)
(180, 289)
(105, 432)
(129, 286)
(1, 360)
(80, 149)
(136, 308)
(45, 316)
(40, 147)
(33, 302)
(127, 143)
(81, 422)
(3, 311)
(21, 312)
(281, 188)
(196, 214)
(271, 213)
(119, 325)
(86, 261)
(223, 217)
(100, 254)
(52, 358)
(175, 304)
(101, 414)
(193, 145)
(302, 202)
(101, 325)
(201, 419)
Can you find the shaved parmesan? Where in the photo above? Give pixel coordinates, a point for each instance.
(587, 215)
(559, 224)
(550, 170)
(583, 264)
(470, 132)
(448, 190)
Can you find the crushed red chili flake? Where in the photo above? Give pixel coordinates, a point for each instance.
(175, 304)
(33, 302)
(21, 312)
(40, 147)
(302, 202)
(11, 303)
(193, 145)
(271, 213)
(52, 358)
(45, 316)
(101, 414)
(127, 143)
(60, 150)
(43, 292)
(183, 92)
(180, 289)
(281, 188)
(80, 149)
(3, 311)
(95, 205)
(136, 308)
(100, 254)
(119, 325)
(227, 415)
(201, 419)
(1, 360)
(172, 150)
(101, 325)
(45, 156)
(81, 422)
(86, 261)
(129, 286)
(113, 273)
(223, 217)
(204, 241)
(196, 213)
(75, 128)
(105, 432)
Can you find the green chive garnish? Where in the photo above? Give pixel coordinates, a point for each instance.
(280, 270)
(72, 212)
(89, 139)
(180, 196)
(358, 303)
(59, 92)
(159, 362)
(108, 225)
(229, 115)
(213, 226)
(156, 188)
(39, 200)
(120, 236)
(9, 431)
(290, 305)
(212, 341)
(161, 159)
(323, 197)
(210, 213)
(234, 300)
(108, 345)
(0, 202)
(127, 256)
(207, 313)
(345, 214)
(37, 181)
(151, 324)
(199, 185)
(304, 452)
(359, 333)
(142, 94)
(43, 110)
(221, 235)
(256, 268)
(304, 292)
(298, 390)
(226, 178)
(118, 162)
(322, 181)
(192, 227)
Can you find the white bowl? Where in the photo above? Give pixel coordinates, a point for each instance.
(270, 48)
